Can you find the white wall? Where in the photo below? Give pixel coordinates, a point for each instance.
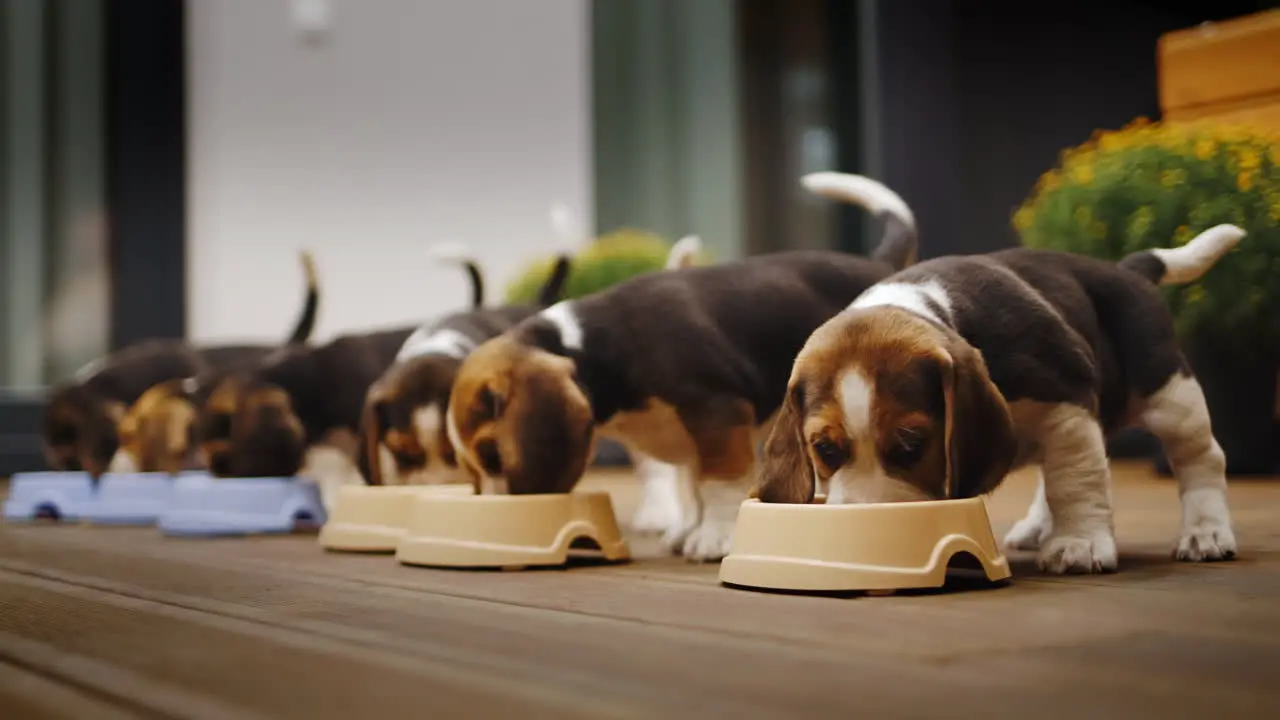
(412, 122)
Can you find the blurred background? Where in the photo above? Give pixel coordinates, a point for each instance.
(162, 162)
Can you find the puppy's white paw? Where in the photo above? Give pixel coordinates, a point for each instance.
(709, 541)
(1029, 533)
(659, 513)
(1091, 553)
(1206, 541)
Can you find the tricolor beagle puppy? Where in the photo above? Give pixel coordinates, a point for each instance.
(402, 424)
(297, 412)
(684, 366)
(80, 424)
(940, 379)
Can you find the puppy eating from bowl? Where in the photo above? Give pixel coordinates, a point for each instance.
(684, 366)
(97, 421)
(402, 424)
(939, 380)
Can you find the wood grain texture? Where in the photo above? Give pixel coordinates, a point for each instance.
(125, 620)
(1220, 62)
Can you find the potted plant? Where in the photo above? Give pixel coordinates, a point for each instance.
(611, 259)
(1153, 185)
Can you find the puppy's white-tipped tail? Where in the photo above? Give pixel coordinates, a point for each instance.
(684, 252)
(875, 196)
(897, 247)
(457, 253)
(1187, 263)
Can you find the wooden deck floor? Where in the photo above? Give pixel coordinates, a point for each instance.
(100, 623)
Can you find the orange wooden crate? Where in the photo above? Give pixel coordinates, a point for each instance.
(1228, 70)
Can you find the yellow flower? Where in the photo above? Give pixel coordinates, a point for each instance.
(1205, 148)
(1082, 174)
(1249, 159)
(1173, 178)
(1023, 217)
(1244, 181)
(1182, 235)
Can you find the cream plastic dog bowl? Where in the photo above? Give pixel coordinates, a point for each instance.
(373, 518)
(509, 530)
(887, 546)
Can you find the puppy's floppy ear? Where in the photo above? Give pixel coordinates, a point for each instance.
(786, 471)
(979, 432)
(371, 431)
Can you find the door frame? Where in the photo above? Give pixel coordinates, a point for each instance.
(145, 142)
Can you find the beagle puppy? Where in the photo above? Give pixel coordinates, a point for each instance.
(684, 366)
(939, 380)
(297, 412)
(402, 424)
(80, 424)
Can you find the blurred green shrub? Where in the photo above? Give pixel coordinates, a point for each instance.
(1153, 185)
(612, 258)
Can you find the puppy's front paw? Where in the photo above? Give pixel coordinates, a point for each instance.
(1029, 533)
(709, 541)
(1091, 553)
(1206, 541)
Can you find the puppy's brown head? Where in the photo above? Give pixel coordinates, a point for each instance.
(404, 414)
(519, 414)
(80, 429)
(248, 428)
(157, 433)
(888, 407)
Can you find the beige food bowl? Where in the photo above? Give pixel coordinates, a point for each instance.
(373, 518)
(509, 530)
(887, 546)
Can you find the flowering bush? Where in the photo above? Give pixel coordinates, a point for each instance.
(612, 258)
(1153, 185)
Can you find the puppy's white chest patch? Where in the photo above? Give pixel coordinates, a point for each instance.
(656, 431)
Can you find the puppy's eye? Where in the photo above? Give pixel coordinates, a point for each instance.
(831, 454)
(488, 406)
(908, 447)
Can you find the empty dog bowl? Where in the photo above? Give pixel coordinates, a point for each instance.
(887, 546)
(51, 495)
(373, 518)
(130, 498)
(202, 505)
(509, 530)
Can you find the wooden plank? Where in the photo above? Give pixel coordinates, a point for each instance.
(246, 622)
(1261, 112)
(31, 696)
(643, 669)
(1220, 62)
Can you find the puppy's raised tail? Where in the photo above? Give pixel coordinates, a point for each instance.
(458, 254)
(898, 245)
(306, 323)
(1180, 265)
(684, 252)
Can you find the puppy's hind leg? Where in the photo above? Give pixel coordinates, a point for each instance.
(662, 506)
(1077, 490)
(1030, 532)
(1178, 415)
